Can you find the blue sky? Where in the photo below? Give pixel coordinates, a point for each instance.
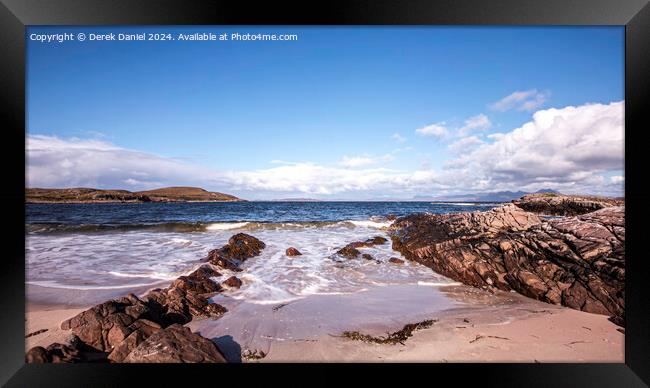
(346, 113)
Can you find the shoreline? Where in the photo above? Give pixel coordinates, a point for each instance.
(523, 330)
(507, 308)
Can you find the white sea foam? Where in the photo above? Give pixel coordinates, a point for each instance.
(134, 259)
(226, 225)
(52, 284)
(371, 223)
(148, 275)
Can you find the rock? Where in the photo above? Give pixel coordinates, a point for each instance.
(104, 325)
(367, 256)
(204, 272)
(350, 251)
(239, 248)
(578, 262)
(395, 260)
(176, 344)
(565, 205)
(232, 282)
(37, 355)
(242, 246)
(57, 353)
(197, 285)
(291, 251)
(125, 347)
(176, 305)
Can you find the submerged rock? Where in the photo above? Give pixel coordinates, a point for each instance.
(176, 344)
(565, 205)
(578, 262)
(291, 251)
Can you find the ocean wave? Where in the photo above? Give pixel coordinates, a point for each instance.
(193, 227)
(226, 225)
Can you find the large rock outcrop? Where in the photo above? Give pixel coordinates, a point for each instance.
(110, 331)
(578, 262)
(565, 205)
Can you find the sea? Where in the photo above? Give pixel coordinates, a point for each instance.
(126, 247)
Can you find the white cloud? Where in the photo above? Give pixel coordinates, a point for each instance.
(55, 162)
(572, 149)
(526, 100)
(617, 179)
(398, 138)
(435, 130)
(364, 160)
(479, 122)
(568, 147)
(465, 144)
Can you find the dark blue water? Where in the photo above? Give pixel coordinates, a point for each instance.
(146, 214)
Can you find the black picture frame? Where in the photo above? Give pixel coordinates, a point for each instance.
(15, 15)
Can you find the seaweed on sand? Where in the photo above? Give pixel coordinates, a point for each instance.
(397, 337)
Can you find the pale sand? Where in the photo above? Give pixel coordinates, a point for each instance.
(50, 318)
(564, 335)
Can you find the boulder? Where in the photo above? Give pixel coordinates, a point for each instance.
(232, 282)
(395, 260)
(565, 205)
(578, 262)
(367, 256)
(240, 247)
(175, 344)
(291, 251)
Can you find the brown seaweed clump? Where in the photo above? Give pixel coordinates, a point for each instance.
(397, 337)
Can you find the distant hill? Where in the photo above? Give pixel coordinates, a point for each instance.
(496, 196)
(186, 194)
(90, 195)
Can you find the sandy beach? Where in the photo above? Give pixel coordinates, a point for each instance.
(523, 331)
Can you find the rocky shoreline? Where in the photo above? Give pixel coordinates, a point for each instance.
(574, 261)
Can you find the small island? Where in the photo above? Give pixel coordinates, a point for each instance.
(89, 195)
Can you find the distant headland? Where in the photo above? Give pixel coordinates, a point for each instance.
(90, 195)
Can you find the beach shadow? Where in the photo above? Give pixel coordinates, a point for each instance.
(229, 347)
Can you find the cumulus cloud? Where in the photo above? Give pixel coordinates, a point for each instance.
(434, 130)
(475, 123)
(571, 149)
(465, 144)
(55, 162)
(526, 100)
(564, 148)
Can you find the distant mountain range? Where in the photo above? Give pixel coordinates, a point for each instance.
(496, 196)
(89, 195)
